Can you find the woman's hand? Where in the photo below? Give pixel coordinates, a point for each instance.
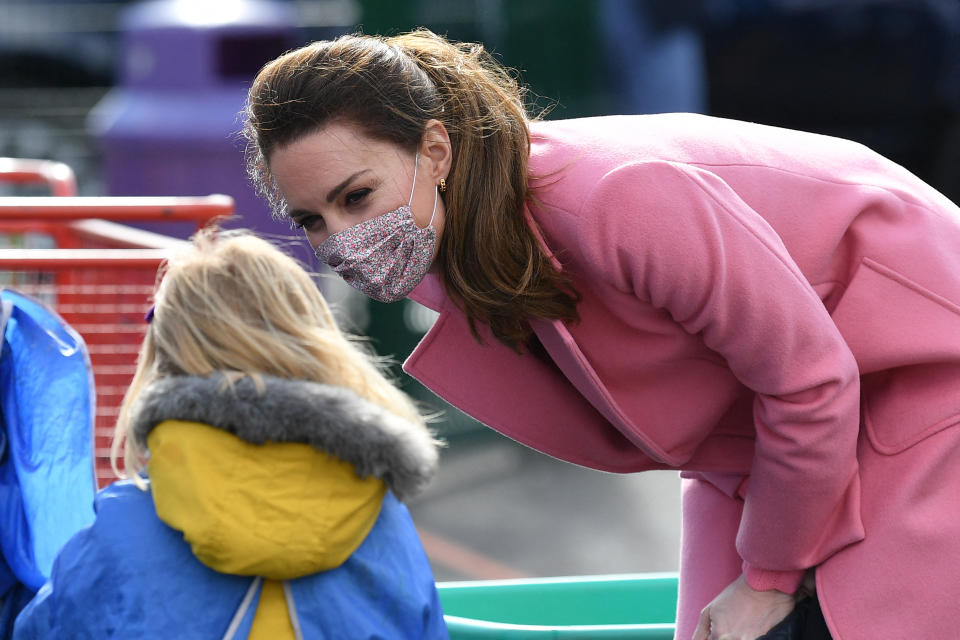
(741, 613)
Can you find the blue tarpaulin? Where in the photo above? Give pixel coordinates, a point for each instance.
(47, 480)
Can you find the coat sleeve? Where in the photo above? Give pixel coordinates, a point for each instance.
(681, 239)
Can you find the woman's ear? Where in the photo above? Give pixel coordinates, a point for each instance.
(436, 146)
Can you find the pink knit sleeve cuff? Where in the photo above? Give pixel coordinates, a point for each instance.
(765, 580)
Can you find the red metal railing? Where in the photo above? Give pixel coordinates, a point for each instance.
(131, 209)
(56, 175)
(99, 276)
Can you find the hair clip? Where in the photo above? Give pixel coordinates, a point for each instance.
(149, 317)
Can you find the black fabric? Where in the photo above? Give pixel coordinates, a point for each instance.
(805, 622)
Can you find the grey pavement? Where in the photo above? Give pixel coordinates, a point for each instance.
(498, 510)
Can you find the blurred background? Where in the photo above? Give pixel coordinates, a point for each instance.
(144, 98)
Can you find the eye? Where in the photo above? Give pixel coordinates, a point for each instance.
(309, 223)
(356, 197)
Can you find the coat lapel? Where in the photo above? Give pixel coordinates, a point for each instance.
(569, 358)
(524, 397)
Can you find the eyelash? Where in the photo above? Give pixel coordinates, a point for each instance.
(307, 222)
(355, 197)
(352, 199)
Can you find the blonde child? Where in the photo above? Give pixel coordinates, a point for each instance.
(266, 457)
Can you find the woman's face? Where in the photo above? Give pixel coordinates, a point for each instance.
(338, 176)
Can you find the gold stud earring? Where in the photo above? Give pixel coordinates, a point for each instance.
(443, 185)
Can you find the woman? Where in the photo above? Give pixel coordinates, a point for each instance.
(658, 292)
(275, 453)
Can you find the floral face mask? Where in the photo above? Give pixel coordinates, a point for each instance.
(385, 257)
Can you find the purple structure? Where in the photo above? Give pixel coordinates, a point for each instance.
(171, 127)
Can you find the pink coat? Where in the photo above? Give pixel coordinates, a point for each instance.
(775, 313)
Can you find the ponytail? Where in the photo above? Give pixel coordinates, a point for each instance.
(492, 264)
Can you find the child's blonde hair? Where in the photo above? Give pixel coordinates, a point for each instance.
(233, 302)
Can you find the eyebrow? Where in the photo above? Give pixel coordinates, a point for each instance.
(343, 185)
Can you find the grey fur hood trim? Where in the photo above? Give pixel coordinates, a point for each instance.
(331, 419)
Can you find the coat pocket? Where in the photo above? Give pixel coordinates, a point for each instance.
(906, 339)
(904, 407)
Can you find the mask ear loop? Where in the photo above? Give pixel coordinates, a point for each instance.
(416, 165)
(436, 191)
(436, 194)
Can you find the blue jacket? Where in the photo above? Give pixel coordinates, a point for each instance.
(270, 512)
(131, 576)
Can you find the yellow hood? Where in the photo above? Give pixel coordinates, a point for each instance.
(279, 509)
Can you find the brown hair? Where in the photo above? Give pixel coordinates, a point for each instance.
(491, 262)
